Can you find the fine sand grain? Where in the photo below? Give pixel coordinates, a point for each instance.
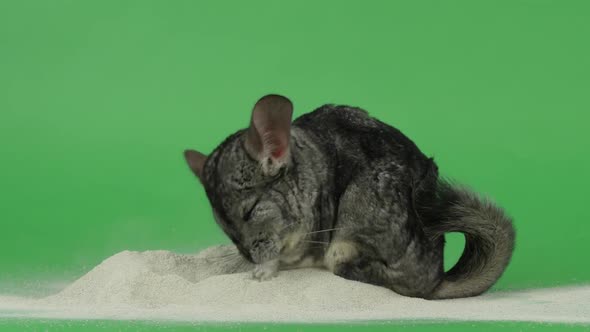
(216, 286)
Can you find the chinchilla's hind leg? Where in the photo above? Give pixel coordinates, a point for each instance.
(380, 239)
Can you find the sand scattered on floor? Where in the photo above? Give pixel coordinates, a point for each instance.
(216, 286)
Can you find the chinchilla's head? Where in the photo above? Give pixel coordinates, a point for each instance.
(249, 182)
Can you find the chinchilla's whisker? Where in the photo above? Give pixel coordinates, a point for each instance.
(322, 242)
(285, 227)
(325, 230)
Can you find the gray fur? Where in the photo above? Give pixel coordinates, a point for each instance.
(352, 194)
(489, 238)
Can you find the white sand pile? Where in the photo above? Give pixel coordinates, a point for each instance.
(160, 285)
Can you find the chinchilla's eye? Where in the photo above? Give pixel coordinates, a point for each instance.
(248, 214)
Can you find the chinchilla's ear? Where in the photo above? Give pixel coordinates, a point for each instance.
(195, 161)
(267, 139)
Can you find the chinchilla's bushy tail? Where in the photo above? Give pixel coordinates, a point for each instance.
(489, 240)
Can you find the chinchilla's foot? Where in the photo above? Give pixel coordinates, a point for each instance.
(266, 270)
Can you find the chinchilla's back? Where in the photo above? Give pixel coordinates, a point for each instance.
(352, 140)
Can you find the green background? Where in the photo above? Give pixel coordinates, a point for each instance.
(98, 99)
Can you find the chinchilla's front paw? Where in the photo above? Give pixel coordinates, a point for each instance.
(266, 270)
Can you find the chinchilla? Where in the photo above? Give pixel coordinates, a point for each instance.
(339, 189)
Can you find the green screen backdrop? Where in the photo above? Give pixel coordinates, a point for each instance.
(98, 99)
